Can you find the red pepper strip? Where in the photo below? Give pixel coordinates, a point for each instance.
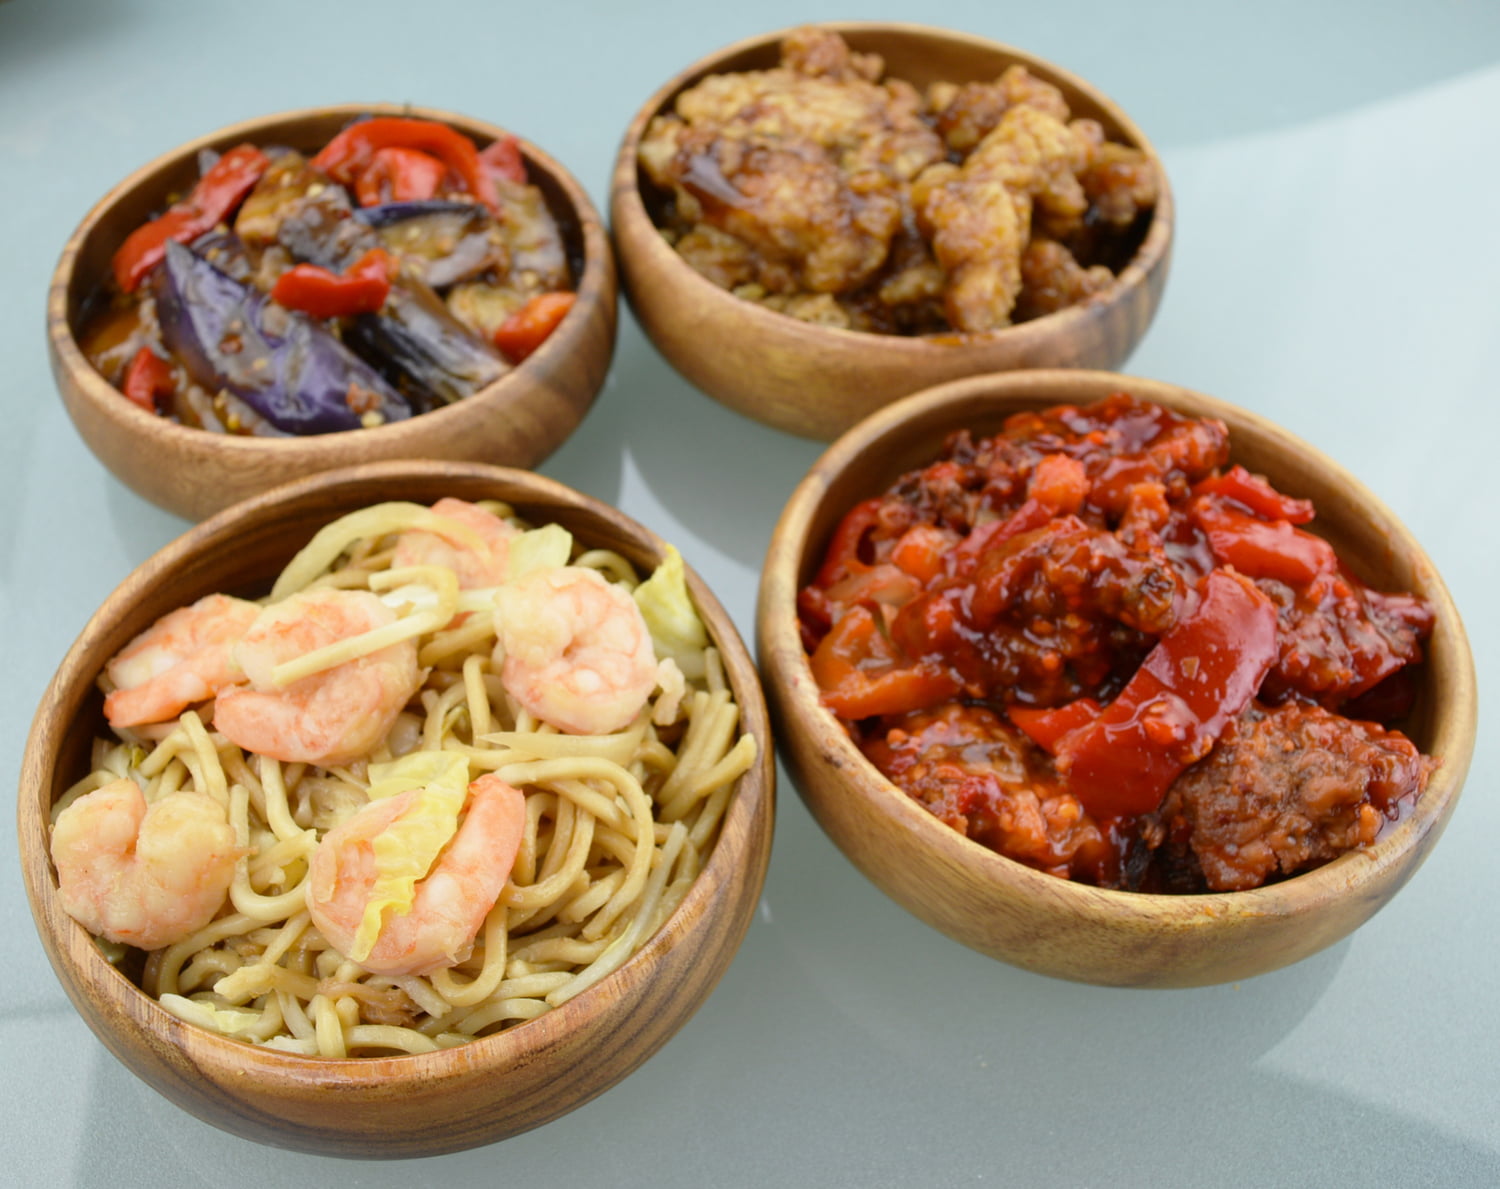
(1046, 727)
(861, 673)
(920, 551)
(362, 289)
(848, 538)
(1060, 482)
(349, 153)
(502, 159)
(1257, 495)
(1200, 676)
(527, 329)
(148, 377)
(217, 193)
(1263, 550)
(1033, 514)
(399, 175)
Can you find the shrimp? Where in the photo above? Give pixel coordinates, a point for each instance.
(139, 875)
(450, 902)
(183, 658)
(417, 547)
(577, 652)
(330, 717)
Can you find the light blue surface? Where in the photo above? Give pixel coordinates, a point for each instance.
(1335, 268)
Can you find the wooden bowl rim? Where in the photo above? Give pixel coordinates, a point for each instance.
(595, 285)
(742, 847)
(1454, 714)
(634, 230)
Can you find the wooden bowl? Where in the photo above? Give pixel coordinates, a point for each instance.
(417, 1105)
(517, 421)
(1046, 924)
(817, 381)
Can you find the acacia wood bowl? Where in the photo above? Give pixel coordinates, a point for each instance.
(517, 421)
(415, 1105)
(1040, 922)
(816, 381)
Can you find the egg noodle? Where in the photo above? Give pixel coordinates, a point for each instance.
(617, 826)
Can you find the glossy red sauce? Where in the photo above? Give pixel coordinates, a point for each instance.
(1092, 645)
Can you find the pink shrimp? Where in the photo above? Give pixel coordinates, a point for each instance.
(417, 547)
(183, 658)
(450, 902)
(330, 717)
(139, 875)
(577, 652)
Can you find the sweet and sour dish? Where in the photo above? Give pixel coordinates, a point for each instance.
(1094, 646)
(823, 190)
(398, 269)
(452, 771)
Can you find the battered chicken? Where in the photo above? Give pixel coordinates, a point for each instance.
(822, 190)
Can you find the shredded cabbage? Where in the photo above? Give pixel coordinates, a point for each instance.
(544, 548)
(225, 1020)
(406, 849)
(676, 630)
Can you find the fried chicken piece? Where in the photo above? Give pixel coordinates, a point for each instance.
(1286, 789)
(804, 163)
(808, 225)
(1120, 182)
(822, 53)
(979, 215)
(1052, 280)
(968, 113)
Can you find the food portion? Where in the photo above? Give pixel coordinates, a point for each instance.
(821, 189)
(398, 269)
(452, 771)
(1093, 645)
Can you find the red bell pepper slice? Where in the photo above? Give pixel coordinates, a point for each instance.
(1199, 677)
(350, 153)
(1255, 493)
(861, 673)
(528, 328)
(502, 159)
(848, 539)
(147, 379)
(1046, 728)
(361, 289)
(218, 192)
(1261, 549)
(399, 175)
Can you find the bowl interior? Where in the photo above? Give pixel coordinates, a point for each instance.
(147, 192)
(916, 54)
(817, 381)
(422, 1104)
(518, 420)
(1100, 935)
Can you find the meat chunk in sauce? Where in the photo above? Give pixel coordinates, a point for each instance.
(1034, 594)
(1288, 788)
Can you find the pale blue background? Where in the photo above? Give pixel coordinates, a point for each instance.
(1336, 171)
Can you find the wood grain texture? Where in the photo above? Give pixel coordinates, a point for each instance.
(410, 1105)
(817, 381)
(1009, 911)
(519, 420)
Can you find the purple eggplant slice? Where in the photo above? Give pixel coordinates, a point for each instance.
(425, 350)
(282, 364)
(441, 242)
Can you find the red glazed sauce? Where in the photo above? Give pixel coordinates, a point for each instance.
(1092, 645)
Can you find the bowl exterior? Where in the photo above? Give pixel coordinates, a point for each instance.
(816, 381)
(517, 421)
(1032, 920)
(407, 1106)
